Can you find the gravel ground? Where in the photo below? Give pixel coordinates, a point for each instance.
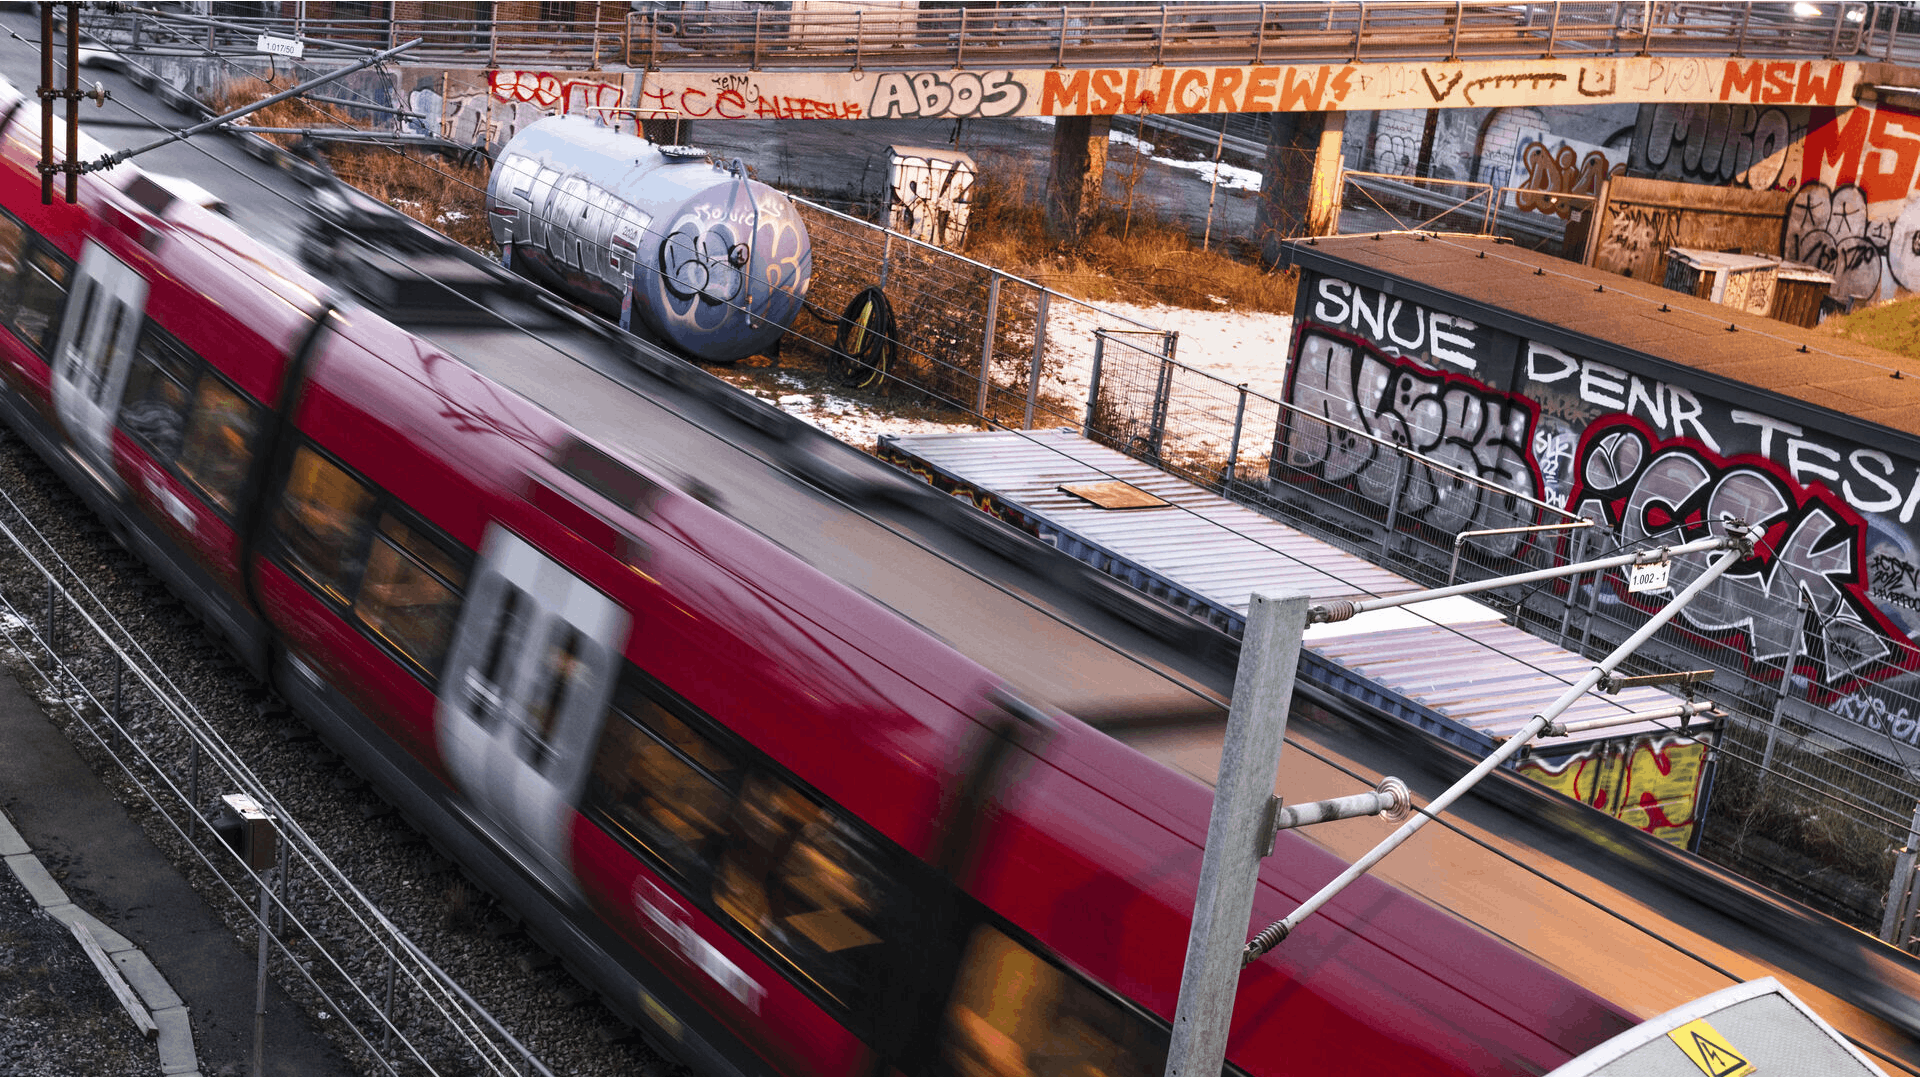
(458, 926)
(57, 1018)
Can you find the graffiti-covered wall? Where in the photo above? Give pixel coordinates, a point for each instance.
(1834, 589)
(1853, 172)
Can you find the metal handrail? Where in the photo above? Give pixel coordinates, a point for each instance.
(1567, 518)
(1331, 31)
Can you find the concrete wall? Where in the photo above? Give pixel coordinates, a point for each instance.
(1855, 210)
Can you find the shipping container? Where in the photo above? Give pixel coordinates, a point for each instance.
(1657, 415)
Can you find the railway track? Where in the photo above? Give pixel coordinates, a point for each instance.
(458, 925)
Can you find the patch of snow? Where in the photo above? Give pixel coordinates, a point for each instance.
(1222, 350)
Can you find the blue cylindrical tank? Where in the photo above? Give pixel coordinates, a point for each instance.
(718, 263)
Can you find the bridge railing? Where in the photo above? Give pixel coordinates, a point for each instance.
(1536, 219)
(1119, 35)
(1128, 36)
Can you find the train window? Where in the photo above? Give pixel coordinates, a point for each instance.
(323, 521)
(219, 441)
(13, 253)
(159, 386)
(806, 883)
(662, 782)
(410, 595)
(487, 686)
(558, 675)
(43, 287)
(189, 417)
(1014, 1014)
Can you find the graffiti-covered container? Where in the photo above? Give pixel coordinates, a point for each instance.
(718, 264)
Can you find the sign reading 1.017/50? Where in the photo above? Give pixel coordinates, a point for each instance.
(280, 46)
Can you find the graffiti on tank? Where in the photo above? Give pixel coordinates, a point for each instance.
(1554, 170)
(1553, 446)
(1654, 787)
(705, 262)
(1442, 416)
(1893, 581)
(551, 92)
(1751, 146)
(1811, 549)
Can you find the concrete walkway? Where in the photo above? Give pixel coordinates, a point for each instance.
(185, 965)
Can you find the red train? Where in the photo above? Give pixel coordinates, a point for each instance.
(730, 712)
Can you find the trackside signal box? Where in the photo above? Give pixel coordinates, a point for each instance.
(1757, 1027)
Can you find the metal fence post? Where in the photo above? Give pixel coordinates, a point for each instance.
(1393, 502)
(1786, 683)
(886, 259)
(1233, 447)
(1039, 352)
(1093, 382)
(987, 342)
(1576, 553)
(1896, 923)
(53, 643)
(1593, 608)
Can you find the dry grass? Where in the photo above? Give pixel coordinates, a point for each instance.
(1892, 326)
(1125, 256)
(442, 194)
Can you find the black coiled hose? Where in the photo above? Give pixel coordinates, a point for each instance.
(864, 344)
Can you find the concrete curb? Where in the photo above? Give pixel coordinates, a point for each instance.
(175, 1037)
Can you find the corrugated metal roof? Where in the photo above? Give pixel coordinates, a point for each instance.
(1452, 666)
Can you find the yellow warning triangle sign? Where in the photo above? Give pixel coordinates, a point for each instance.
(1708, 1049)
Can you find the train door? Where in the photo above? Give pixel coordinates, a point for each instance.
(96, 347)
(525, 689)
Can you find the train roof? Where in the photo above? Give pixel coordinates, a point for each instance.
(1602, 315)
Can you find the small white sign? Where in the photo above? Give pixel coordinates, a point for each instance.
(1651, 577)
(280, 46)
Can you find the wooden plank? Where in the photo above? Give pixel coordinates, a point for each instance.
(116, 983)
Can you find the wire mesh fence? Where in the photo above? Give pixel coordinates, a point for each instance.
(956, 333)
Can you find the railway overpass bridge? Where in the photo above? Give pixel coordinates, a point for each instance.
(1081, 65)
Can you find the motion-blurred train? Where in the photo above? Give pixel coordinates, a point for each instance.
(735, 716)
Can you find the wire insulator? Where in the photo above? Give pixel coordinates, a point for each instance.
(1340, 609)
(1402, 806)
(1269, 937)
